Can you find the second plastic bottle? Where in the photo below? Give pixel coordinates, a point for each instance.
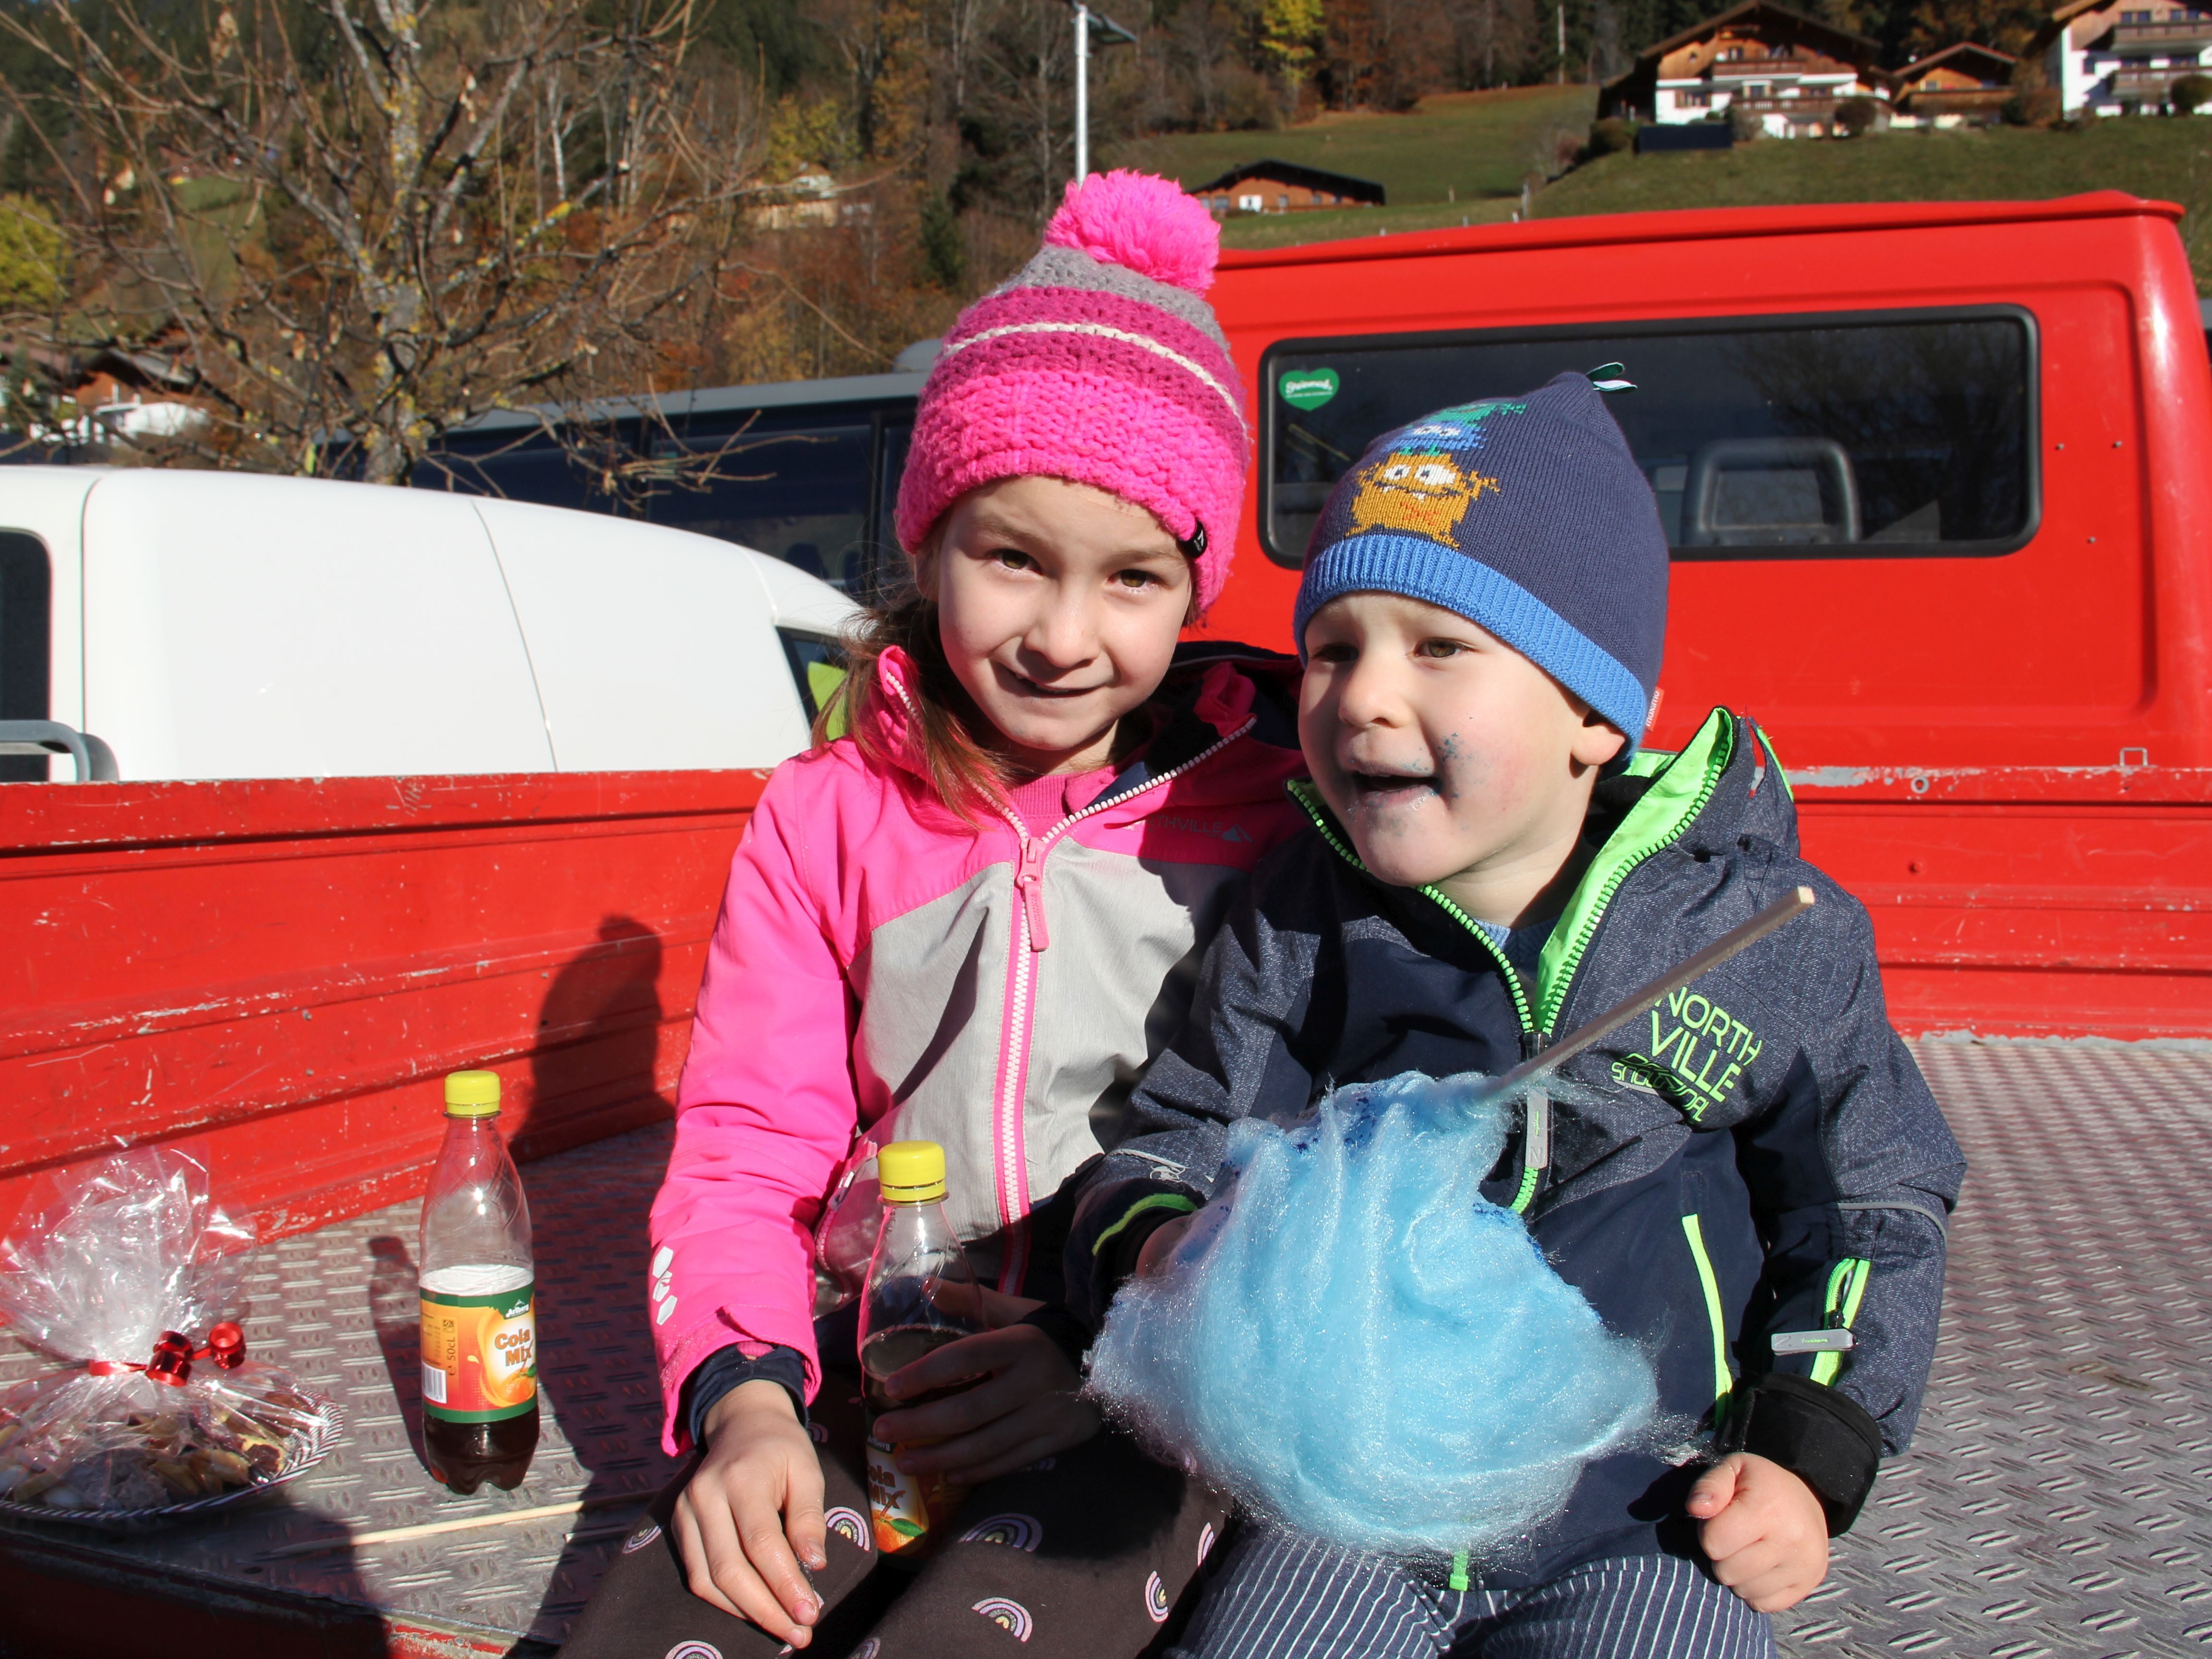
(919, 1296)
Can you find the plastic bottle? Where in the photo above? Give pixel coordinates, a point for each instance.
(479, 1301)
(919, 1296)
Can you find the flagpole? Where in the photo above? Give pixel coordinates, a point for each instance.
(1082, 91)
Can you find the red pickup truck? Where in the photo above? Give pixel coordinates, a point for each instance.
(1936, 477)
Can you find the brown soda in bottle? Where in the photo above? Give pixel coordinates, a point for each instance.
(920, 1295)
(479, 1301)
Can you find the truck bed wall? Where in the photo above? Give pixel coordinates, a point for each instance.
(286, 969)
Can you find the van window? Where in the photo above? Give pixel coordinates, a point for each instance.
(798, 493)
(25, 643)
(1871, 435)
(818, 667)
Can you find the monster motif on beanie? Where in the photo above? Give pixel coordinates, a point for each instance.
(1526, 515)
(1099, 363)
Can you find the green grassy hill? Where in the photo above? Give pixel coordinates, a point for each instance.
(2145, 156)
(1459, 157)
(2168, 159)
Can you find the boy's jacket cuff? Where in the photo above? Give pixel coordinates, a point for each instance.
(1827, 1439)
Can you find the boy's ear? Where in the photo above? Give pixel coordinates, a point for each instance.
(1598, 743)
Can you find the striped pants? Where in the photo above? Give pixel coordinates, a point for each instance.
(1283, 1596)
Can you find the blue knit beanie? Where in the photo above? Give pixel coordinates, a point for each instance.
(1529, 517)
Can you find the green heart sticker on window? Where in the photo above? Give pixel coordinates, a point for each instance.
(1307, 388)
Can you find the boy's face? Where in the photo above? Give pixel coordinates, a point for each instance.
(1443, 752)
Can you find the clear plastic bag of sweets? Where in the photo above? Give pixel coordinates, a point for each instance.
(125, 1272)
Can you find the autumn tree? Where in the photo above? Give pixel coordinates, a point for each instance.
(361, 222)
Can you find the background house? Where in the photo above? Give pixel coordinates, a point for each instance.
(1959, 86)
(2113, 57)
(1272, 186)
(1788, 69)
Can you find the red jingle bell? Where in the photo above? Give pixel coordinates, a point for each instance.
(172, 1360)
(226, 1346)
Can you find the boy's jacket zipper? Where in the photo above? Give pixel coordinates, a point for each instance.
(1653, 824)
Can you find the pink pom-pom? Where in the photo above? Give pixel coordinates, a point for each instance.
(1140, 222)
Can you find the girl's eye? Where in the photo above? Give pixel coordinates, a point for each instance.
(1013, 558)
(1137, 579)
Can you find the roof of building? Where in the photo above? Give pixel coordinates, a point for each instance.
(2061, 16)
(1295, 172)
(1966, 57)
(1845, 45)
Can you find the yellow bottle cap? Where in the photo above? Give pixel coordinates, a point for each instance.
(472, 1094)
(911, 1172)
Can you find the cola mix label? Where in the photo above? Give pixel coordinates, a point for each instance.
(480, 1349)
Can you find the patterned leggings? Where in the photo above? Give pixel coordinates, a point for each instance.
(1084, 1555)
(1282, 1596)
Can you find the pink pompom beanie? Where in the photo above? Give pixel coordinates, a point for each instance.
(1099, 363)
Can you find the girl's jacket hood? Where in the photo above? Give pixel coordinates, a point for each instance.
(880, 968)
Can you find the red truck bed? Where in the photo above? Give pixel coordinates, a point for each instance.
(2054, 1502)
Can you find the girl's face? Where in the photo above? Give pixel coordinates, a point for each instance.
(1059, 605)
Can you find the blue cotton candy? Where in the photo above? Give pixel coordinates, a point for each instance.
(1352, 1341)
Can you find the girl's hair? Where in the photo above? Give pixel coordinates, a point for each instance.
(966, 776)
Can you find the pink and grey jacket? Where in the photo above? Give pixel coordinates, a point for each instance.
(881, 971)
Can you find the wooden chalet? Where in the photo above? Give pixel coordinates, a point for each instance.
(1961, 84)
(1788, 69)
(1272, 186)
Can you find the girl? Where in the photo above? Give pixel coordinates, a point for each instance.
(973, 919)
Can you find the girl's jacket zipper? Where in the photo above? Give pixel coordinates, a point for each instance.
(1031, 936)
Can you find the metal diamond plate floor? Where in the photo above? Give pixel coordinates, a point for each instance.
(2059, 1501)
(2056, 1500)
(338, 1306)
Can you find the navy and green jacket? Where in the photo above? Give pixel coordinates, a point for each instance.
(1759, 1155)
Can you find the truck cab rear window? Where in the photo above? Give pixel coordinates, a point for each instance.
(1871, 434)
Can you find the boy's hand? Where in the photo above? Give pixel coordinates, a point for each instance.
(1025, 1407)
(1763, 1530)
(1152, 1259)
(753, 1512)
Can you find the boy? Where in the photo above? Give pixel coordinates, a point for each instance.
(1761, 1198)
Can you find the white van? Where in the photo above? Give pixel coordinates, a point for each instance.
(229, 625)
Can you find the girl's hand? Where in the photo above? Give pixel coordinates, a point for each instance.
(1763, 1530)
(1024, 1408)
(753, 1512)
